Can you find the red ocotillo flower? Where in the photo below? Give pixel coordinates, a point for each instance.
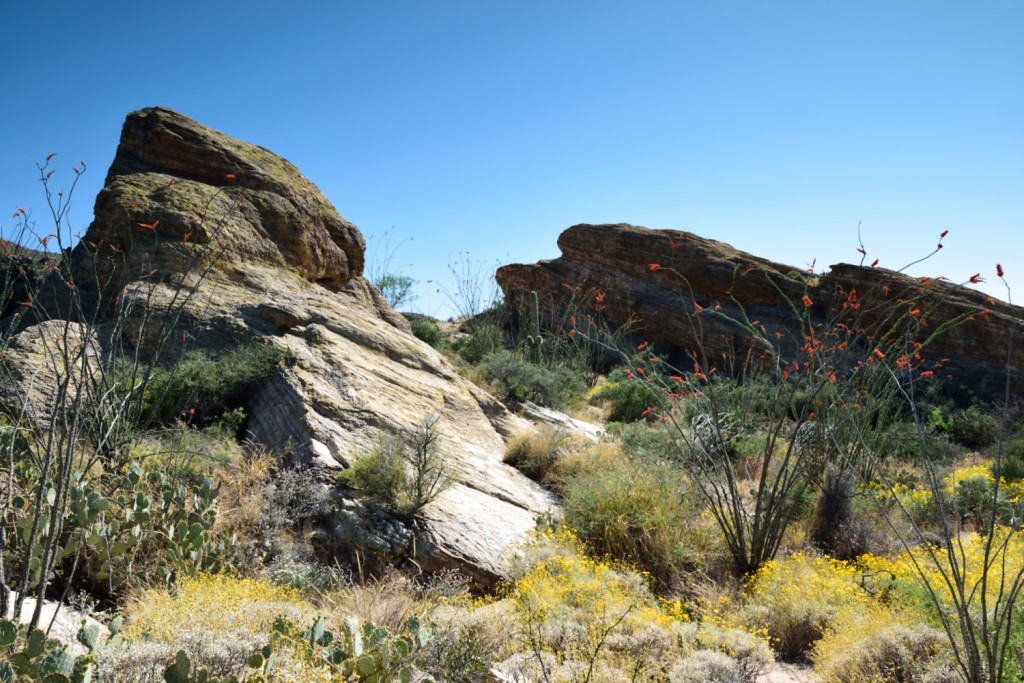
(999, 266)
(807, 301)
(655, 266)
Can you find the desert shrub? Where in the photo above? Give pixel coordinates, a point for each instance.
(305, 577)
(639, 512)
(1012, 466)
(835, 528)
(1003, 560)
(269, 510)
(571, 609)
(900, 441)
(629, 399)
(969, 493)
(204, 386)
(973, 428)
(912, 495)
(874, 646)
(516, 379)
(543, 544)
(461, 654)
(217, 620)
(707, 665)
(798, 599)
(404, 471)
(647, 440)
(481, 333)
(427, 330)
(716, 652)
(973, 497)
(396, 289)
(537, 453)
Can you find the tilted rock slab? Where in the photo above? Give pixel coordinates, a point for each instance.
(280, 264)
(623, 271)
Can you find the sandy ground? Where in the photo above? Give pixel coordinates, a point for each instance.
(788, 673)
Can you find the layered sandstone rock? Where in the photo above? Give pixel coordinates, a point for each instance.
(270, 258)
(655, 278)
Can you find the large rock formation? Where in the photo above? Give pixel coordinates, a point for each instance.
(655, 276)
(269, 257)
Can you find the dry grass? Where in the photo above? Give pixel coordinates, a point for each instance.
(546, 454)
(242, 489)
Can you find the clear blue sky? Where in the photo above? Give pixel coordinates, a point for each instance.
(490, 127)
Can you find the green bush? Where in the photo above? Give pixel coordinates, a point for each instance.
(459, 655)
(404, 471)
(426, 330)
(481, 334)
(639, 512)
(973, 428)
(630, 399)
(396, 289)
(647, 440)
(205, 386)
(516, 379)
(900, 441)
(1012, 467)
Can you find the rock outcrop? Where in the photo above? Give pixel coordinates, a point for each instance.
(267, 256)
(654, 277)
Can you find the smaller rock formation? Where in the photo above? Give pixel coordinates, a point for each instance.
(654, 277)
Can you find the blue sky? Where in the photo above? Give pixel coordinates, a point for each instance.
(489, 127)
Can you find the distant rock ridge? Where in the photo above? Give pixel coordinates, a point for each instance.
(615, 261)
(289, 272)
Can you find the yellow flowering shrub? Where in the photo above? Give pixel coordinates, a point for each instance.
(900, 639)
(845, 617)
(219, 603)
(580, 618)
(876, 645)
(1003, 566)
(573, 611)
(796, 600)
(216, 619)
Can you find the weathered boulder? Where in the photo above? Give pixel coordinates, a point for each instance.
(267, 256)
(655, 277)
